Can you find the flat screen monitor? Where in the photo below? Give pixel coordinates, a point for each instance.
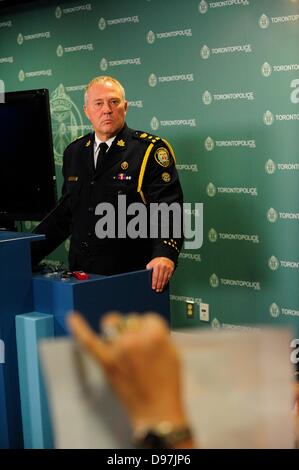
(27, 169)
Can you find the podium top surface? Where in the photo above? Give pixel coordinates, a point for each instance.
(55, 277)
(7, 236)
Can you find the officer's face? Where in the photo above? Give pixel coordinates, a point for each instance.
(106, 109)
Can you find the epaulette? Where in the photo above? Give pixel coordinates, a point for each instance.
(80, 138)
(146, 137)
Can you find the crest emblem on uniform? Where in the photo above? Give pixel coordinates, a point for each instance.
(121, 143)
(166, 177)
(124, 165)
(162, 157)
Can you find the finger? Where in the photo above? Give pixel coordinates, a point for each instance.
(133, 322)
(112, 318)
(89, 340)
(154, 319)
(117, 325)
(165, 278)
(111, 325)
(160, 279)
(155, 276)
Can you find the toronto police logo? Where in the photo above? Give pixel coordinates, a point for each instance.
(103, 64)
(209, 144)
(152, 80)
(66, 121)
(59, 51)
(58, 13)
(274, 310)
(213, 235)
(211, 190)
(21, 75)
(154, 123)
(264, 21)
(203, 7)
(270, 167)
(272, 215)
(102, 24)
(20, 39)
(207, 98)
(273, 263)
(162, 157)
(205, 52)
(214, 281)
(268, 118)
(266, 69)
(215, 323)
(150, 37)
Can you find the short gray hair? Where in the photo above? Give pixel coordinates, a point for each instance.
(101, 80)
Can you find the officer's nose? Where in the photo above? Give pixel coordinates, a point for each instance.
(106, 107)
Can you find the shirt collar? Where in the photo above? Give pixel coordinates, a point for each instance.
(97, 142)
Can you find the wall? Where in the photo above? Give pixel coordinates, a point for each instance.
(220, 81)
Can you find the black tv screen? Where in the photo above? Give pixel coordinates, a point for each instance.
(27, 169)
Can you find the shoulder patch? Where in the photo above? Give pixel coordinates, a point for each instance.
(162, 157)
(150, 138)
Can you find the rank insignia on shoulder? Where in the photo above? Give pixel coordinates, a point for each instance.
(124, 165)
(88, 143)
(72, 178)
(162, 157)
(121, 143)
(146, 137)
(166, 177)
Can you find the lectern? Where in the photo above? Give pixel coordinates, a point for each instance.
(35, 307)
(16, 298)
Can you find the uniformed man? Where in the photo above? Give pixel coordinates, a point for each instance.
(100, 167)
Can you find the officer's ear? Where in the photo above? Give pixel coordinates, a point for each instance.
(86, 112)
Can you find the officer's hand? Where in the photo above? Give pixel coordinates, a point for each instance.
(162, 271)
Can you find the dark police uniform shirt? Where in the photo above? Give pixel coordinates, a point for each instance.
(139, 166)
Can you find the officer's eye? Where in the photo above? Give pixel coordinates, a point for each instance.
(115, 102)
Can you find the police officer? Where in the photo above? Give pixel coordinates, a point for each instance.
(105, 172)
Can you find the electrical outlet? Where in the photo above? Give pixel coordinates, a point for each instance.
(204, 314)
(190, 309)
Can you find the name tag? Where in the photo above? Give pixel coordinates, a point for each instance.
(72, 178)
